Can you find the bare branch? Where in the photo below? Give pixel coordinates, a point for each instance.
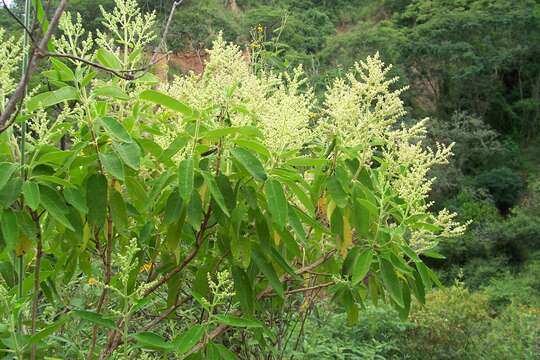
(10, 13)
(37, 54)
(222, 328)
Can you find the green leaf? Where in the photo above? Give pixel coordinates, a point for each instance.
(49, 330)
(243, 290)
(166, 101)
(361, 266)
(409, 252)
(149, 79)
(183, 343)
(108, 59)
(173, 209)
(276, 256)
(52, 156)
(115, 129)
(6, 170)
(423, 271)
(96, 199)
(240, 248)
(277, 203)
(391, 281)
(433, 254)
(236, 321)
(250, 163)
(10, 192)
(185, 179)
(52, 201)
(215, 192)
(303, 161)
(336, 192)
(178, 143)
(369, 206)
(10, 231)
(250, 131)
(113, 165)
(111, 91)
(75, 198)
(118, 210)
(30, 191)
(426, 226)
(225, 353)
(50, 179)
(254, 146)
(130, 153)
(96, 319)
(152, 341)
(418, 288)
(296, 224)
(268, 270)
(66, 74)
(50, 98)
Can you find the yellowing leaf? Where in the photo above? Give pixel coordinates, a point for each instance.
(347, 234)
(23, 245)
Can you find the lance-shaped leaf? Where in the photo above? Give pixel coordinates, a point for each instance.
(166, 101)
(243, 290)
(111, 91)
(183, 343)
(130, 153)
(336, 192)
(53, 202)
(268, 270)
(113, 165)
(76, 198)
(50, 98)
(109, 59)
(6, 170)
(115, 129)
(250, 163)
(236, 321)
(391, 281)
(96, 199)
(94, 318)
(152, 341)
(277, 203)
(215, 192)
(10, 231)
(185, 179)
(361, 266)
(30, 191)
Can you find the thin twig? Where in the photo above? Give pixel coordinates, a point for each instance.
(222, 328)
(36, 56)
(10, 13)
(37, 281)
(301, 290)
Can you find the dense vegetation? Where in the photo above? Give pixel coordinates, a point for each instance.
(471, 66)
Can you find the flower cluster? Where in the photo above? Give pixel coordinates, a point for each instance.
(131, 29)
(10, 52)
(73, 40)
(363, 112)
(276, 103)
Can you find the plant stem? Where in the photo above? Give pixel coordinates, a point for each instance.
(37, 282)
(20, 259)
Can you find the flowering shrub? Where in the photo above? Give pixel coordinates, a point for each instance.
(155, 217)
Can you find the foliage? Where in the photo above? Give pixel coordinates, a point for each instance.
(520, 287)
(445, 327)
(504, 185)
(327, 335)
(454, 324)
(208, 199)
(513, 334)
